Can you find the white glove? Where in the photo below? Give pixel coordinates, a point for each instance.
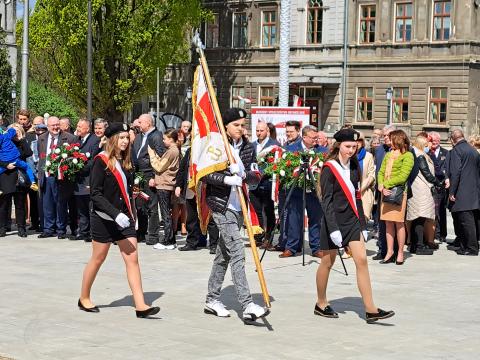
(234, 180)
(365, 235)
(122, 220)
(235, 170)
(336, 237)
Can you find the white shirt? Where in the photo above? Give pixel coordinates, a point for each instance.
(261, 145)
(437, 152)
(49, 144)
(85, 138)
(144, 140)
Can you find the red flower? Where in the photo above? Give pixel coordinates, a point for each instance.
(271, 160)
(288, 163)
(296, 153)
(43, 156)
(76, 154)
(274, 167)
(64, 167)
(53, 156)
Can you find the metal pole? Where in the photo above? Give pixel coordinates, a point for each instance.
(345, 59)
(24, 81)
(158, 92)
(283, 82)
(89, 63)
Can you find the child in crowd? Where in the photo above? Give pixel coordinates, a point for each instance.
(10, 154)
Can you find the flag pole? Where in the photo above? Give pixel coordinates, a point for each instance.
(231, 160)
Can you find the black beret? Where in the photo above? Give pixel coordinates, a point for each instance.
(346, 135)
(115, 128)
(233, 114)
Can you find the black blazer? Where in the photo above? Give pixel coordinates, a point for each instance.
(440, 163)
(91, 145)
(142, 161)
(464, 177)
(105, 192)
(337, 212)
(182, 175)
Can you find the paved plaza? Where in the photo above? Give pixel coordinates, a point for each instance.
(436, 299)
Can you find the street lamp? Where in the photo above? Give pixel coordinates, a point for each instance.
(189, 103)
(14, 97)
(389, 104)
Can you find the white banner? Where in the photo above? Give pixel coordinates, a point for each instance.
(279, 116)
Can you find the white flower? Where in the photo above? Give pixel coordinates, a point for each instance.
(320, 164)
(87, 154)
(136, 181)
(311, 152)
(75, 161)
(48, 163)
(64, 155)
(57, 151)
(76, 148)
(65, 144)
(284, 156)
(282, 172)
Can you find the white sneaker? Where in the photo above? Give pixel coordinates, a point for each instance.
(159, 246)
(170, 247)
(254, 311)
(216, 308)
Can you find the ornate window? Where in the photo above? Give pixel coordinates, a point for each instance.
(403, 22)
(367, 24)
(212, 32)
(314, 21)
(269, 28)
(238, 94)
(441, 20)
(240, 26)
(438, 105)
(364, 104)
(400, 105)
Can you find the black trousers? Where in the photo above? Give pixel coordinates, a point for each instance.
(440, 199)
(165, 202)
(264, 207)
(72, 214)
(83, 209)
(34, 209)
(416, 234)
(20, 200)
(467, 230)
(193, 225)
(148, 218)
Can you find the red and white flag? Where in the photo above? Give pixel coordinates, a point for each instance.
(208, 153)
(297, 101)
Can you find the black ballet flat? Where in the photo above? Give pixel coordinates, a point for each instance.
(380, 315)
(391, 259)
(146, 313)
(94, 309)
(327, 312)
(399, 262)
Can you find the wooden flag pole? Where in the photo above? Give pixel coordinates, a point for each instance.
(231, 160)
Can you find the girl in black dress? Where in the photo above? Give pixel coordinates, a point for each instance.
(343, 223)
(112, 218)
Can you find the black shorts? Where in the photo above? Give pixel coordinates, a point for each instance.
(106, 231)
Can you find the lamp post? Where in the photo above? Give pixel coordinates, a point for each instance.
(14, 97)
(389, 104)
(89, 62)
(25, 54)
(189, 103)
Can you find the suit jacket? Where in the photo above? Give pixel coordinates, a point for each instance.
(142, 161)
(297, 146)
(265, 183)
(440, 163)
(464, 177)
(42, 143)
(91, 146)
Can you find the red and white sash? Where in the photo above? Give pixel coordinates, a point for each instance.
(345, 183)
(122, 183)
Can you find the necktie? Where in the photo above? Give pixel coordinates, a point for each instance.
(52, 143)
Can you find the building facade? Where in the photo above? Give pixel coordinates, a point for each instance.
(7, 23)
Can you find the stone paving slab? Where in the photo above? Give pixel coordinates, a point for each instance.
(436, 299)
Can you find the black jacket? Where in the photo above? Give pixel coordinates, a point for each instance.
(142, 161)
(8, 179)
(105, 192)
(182, 174)
(423, 167)
(464, 177)
(217, 192)
(440, 163)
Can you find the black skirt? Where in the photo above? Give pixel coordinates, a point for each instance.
(350, 232)
(106, 231)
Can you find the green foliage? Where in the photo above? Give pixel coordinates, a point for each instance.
(131, 38)
(5, 79)
(43, 100)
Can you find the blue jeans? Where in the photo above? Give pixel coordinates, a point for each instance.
(23, 166)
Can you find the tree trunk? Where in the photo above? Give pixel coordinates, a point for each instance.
(113, 115)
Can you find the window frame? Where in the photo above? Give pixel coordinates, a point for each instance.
(438, 102)
(368, 20)
(442, 16)
(232, 100)
(233, 30)
(401, 100)
(318, 10)
(207, 25)
(365, 100)
(270, 24)
(404, 18)
(262, 98)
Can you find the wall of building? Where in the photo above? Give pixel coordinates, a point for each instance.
(8, 20)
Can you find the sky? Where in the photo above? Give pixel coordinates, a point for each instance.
(20, 7)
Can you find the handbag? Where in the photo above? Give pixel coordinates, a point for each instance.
(396, 196)
(22, 179)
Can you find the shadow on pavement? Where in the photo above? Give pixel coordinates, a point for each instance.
(354, 304)
(150, 297)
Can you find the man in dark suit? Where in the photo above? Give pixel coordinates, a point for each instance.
(55, 193)
(261, 194)
(294, 207)
(438, 155)
(463, 191)
(148, 215)
(89, 145)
